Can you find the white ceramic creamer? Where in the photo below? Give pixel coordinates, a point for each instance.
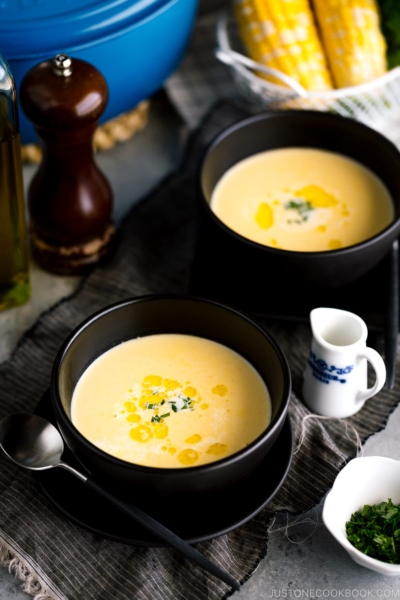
(335, 378)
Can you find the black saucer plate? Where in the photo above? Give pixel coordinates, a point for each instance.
(195, 519)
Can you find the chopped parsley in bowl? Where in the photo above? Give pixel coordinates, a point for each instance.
(375, 531)
(362, 512)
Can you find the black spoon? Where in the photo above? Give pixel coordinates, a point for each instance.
(34, 443)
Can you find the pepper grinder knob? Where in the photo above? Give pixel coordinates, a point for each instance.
(62, 65)
(69, 199)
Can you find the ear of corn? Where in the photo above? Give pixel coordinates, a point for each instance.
(353, 42)
(282, 34)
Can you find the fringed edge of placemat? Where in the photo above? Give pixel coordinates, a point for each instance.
(17, 566)
(107, 135)
(262, 554)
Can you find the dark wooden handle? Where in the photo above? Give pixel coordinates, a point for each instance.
(392, 317)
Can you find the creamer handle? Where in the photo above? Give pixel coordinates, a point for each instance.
(375, 359)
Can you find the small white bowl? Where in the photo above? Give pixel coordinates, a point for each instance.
(364, 480)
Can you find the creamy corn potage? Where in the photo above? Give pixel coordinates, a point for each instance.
(302, 199)
(171, 400)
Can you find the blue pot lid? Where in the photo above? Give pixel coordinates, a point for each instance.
(35, 28)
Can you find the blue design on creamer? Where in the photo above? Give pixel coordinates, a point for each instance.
(325, 373)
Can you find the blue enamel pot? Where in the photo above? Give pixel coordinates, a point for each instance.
(135, 44)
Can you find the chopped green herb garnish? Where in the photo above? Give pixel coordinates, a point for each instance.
(151, 406)
(302, 207)
(162, 402)
(166, 415)
(188, 403)
(375, 531)
(155, 419)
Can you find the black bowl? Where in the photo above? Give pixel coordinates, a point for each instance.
(148, 315)
(236, 262)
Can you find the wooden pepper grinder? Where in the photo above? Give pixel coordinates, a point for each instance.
(69, 198)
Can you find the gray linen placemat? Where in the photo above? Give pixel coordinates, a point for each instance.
(60, 560)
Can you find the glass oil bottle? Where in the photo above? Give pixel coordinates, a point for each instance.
(14, 255)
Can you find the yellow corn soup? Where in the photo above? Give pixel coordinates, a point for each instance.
(302, 199)
(171, 400)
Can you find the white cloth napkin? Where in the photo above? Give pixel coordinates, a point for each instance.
(201, 79)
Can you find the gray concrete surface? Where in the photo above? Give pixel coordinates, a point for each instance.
(303, 560)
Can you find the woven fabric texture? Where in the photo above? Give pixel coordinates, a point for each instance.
(65, 560)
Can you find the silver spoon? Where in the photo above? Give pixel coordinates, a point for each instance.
(34, 443)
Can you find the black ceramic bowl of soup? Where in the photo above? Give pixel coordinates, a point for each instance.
(235, 264)
(149, 401)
